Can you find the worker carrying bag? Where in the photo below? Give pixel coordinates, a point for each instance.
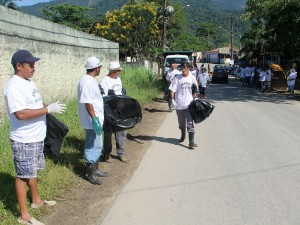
(200, 110)
(121, 112)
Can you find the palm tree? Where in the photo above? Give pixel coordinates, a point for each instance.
(11, 4)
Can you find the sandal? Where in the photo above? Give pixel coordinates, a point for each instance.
(32, 221)
(46, 203)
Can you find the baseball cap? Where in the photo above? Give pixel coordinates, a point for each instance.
(21, 56)
(92, 62)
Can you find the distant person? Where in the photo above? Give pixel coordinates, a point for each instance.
(183, 91)
(291, 81)
(243, 76)
(27, 115)
(268, 79)
(112, 85)
(262, 79)
(203, 79)
(91, 115)
(171, 74)
(248, 75)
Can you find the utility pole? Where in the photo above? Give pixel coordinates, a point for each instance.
(231, 38)
(165, 25)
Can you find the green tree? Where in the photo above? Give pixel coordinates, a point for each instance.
(276, 27)
(69, 15)
(134, 26)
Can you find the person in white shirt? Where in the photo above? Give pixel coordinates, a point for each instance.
(27, 115)
(171, 74)
(262, 79)
(112, 85)
(182, 94)
(291, 81)
(252, 81)
(203, 79)
(247, 75)
(242, 76)
(91, 115)
(268, 79)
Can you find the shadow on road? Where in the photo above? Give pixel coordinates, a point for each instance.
(234, 91)
(139, 138)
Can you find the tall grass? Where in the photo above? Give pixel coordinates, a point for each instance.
(62, 171)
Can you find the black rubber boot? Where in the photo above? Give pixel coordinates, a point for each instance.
(192, 144)
(91, 174)
(183, 133)
(98, 172)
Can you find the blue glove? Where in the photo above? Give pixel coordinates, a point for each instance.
(97, 126)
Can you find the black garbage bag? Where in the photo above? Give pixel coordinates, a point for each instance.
(56, 132)
(121, 112)
(200, 110)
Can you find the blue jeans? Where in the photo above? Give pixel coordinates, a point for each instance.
(92, 146)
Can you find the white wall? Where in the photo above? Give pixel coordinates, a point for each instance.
(62, 50)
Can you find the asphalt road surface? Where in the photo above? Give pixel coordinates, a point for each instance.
(245, 171)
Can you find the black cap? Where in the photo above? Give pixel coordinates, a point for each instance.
(21, 56)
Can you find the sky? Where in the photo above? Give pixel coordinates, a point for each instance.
(29, 2)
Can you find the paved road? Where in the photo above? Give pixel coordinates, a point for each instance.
(246, 169)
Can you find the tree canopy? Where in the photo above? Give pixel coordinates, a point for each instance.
(275, 27)
(69, 15)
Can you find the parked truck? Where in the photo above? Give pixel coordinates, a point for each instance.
(175, 56)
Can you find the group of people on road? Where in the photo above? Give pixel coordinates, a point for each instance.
(251, 76)
(27, 115)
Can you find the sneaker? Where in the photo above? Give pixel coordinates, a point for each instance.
(32, 221)
(46, 203)
(122, 158)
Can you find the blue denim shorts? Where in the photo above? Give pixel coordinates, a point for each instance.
(28, 158)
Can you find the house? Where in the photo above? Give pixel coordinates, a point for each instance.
(219, 55)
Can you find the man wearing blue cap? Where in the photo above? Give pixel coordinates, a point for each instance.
(27, 115)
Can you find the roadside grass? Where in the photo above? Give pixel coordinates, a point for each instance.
(63, 171)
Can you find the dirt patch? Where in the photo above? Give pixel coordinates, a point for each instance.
(88, 204)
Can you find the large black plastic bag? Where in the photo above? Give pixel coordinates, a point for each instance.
(56, 132)
(122, 112)
(200, 110)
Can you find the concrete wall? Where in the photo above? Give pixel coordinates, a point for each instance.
(62, 50)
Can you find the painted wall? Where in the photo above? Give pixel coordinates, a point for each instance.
(63, 52)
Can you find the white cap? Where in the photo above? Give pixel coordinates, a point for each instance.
(92, 62)
(114, 66)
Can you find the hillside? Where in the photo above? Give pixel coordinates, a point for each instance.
(230, 5)
(213, 11)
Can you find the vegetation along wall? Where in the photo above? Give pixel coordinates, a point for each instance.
(63, 52)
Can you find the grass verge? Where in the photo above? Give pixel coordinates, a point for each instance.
(62, 172)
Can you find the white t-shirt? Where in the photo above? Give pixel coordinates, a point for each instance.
(291, 78)
(22, 94)
(182, 86)
(89, 92)
(247, 71)
(268, 75)
(171, 74)
(262, 76)
(203, 78)
(243, 72)
(108, 83)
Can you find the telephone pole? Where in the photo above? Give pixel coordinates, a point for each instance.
(231, 38)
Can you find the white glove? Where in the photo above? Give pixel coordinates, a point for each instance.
(56, 107)
(174, 104)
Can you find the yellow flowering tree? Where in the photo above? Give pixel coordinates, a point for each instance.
(134, 27)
